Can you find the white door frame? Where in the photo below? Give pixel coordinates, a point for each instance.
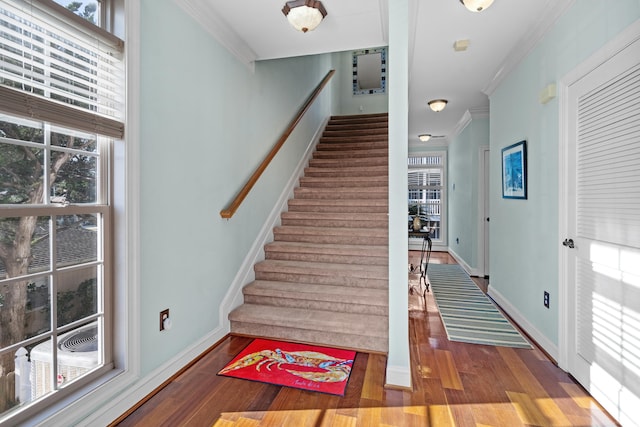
(609, 50)
(483, 201)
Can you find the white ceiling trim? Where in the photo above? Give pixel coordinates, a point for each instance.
(554, 9)
(464, 121)
(204, 15)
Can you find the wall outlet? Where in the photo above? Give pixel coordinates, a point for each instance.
(164, 315)
(546, 299)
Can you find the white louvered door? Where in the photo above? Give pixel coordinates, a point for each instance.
(603, 266)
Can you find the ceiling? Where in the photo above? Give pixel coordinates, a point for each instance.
(498, 38)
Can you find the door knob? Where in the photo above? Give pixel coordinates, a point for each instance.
(569, 243)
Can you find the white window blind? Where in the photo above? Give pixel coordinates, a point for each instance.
(55, 68)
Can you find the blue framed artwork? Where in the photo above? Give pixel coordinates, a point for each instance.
(514, 171)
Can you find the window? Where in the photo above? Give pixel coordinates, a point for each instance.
(61, 108)
(426, 193)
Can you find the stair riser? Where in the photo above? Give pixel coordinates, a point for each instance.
(351, 146)
(374, 193)
(358, 124)
(334, 280)
(342, 307)
(353, 223)
(351, 154)
(327, 182)
(336, 240)
(328, 338)
(354, 208)
(333, 139)
(356, 133)
(348, 163)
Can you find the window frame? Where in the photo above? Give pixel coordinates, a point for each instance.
(415, 243)
(121, 219)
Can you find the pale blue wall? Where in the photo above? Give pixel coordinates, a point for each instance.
(524, 233)
(463, 174)
(206, 122)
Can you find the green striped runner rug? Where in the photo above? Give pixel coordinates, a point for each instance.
(467, 313)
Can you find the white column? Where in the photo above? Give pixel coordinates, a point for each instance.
(398, 362)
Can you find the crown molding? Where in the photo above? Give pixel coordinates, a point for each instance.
(464, 121)
(554, 9)
(205, 15)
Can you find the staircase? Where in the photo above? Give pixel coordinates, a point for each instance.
(325, 276)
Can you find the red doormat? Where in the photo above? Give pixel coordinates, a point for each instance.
(301, 366)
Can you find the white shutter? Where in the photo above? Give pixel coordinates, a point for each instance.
(608, 175)
(604, 264)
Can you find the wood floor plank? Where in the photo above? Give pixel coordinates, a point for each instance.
(527, 410)
(449, 376)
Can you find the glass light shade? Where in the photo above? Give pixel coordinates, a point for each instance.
(304, 15)
(424, 137)
(438, 104)
(476, 5)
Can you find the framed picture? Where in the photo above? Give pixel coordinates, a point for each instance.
(514, 171)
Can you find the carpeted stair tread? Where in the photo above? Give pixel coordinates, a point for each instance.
(348, 193)
(319, 235)
(326, 205)
(359, 276)
(331, 231)
(359, 162)
(316, 296)
(323, 269)
(350, 153)
(345, 323)
(338, 182)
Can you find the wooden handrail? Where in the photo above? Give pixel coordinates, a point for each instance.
(237, 201)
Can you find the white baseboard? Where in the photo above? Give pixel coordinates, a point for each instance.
(470, 271)
(523, 323)
(398, 376)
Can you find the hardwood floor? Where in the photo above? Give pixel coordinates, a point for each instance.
(454, 384)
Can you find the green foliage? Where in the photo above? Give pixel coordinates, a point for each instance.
(74, 305)
(21, 168)
(87, 13)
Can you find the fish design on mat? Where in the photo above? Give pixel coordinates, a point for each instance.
(332, 369)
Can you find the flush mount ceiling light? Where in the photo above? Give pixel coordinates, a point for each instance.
(476, 5)
(424, 137)
(437, 105)
(304, 15)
